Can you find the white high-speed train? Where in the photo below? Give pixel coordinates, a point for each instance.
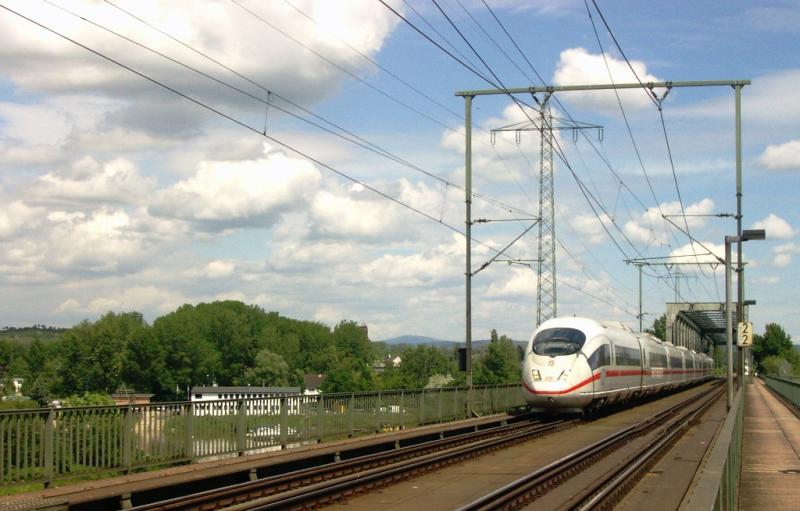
(583, 364)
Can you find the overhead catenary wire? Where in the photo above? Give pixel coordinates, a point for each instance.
(558, 150)
(356, 139)
(582, 187)
(395, 76)
(624, 115)
(244, 125)
(603, 158)
(658, 104)
(377, 64)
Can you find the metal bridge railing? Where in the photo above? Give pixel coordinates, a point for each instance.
(47, 444)
(718, 486)
(789, 388)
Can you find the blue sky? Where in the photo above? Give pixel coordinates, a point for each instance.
(118, 195)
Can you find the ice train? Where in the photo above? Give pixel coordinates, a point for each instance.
(583, 364)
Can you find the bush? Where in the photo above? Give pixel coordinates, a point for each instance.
(777, 366)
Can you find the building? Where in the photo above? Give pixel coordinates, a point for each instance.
(312, 383)
(128, 397)
(257, 400)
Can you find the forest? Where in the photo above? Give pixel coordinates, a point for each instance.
(227, 343)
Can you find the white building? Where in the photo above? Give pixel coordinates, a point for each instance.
(257, 400)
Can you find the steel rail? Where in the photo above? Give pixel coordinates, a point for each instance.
(537, 483)
(603, 494)
(227, 495)
(343, 487)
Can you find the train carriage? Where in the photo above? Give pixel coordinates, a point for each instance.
(580, 363)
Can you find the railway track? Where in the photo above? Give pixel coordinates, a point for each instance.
(318, 485)
(607, 489)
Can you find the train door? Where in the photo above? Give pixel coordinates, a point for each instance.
(642, 363)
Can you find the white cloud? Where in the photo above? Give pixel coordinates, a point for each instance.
(784, 156)
(136, 298)
(219, 269)
(782, 260)
(590, 227)
(576, 66)
(17, 216)
(335, 215)
(431, 267)
(87, 180)
(758, 101)
(520, 283)
(223, 30)
(695, 253)
(229, 194)
(776, 227)
(650, 227)
(783, 254)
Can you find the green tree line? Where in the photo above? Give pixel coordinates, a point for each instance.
(230, 343)
(774, 353)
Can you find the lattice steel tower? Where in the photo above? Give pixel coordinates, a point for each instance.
(546, 304)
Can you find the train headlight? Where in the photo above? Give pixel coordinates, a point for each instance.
(536, 375)
(562, 376)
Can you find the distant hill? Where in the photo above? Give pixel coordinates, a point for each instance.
(414, 340)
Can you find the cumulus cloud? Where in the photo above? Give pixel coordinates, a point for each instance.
(576, 66)
(784, 156)
(650, 227)
(760, 105)
(497, 157)
(223, 30)
(776, 227)
(219, 269)
(589, 227)
(783, 254)
(229, 194)
(136, 298)
(89, 181)
(16, 216)
(695, 253)
(518, 283)
(430, 267)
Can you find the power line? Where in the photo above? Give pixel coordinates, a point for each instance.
(356, 139)
(445, 39)
(376, 64)
(658, 103)
(624, 115)
(558, 149)
(247, 126)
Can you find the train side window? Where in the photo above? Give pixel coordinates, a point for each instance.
(627, 356)
(658, 359)
(601, 357)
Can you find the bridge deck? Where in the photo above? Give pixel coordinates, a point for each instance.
(770, 454)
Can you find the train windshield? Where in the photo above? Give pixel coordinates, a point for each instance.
(555, 342)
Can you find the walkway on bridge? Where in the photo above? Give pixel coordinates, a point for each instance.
(770, 476)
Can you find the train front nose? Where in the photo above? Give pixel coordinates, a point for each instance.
(552, 386)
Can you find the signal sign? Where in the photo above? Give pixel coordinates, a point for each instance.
(744, 334)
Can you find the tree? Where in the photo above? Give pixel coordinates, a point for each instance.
(776, 366)
(774, 343)
(349, 375)
(144, 365)
(270, 369)
(422, 362)
(500, 364)
(351, 340)
(88, 399)
(659, 328)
